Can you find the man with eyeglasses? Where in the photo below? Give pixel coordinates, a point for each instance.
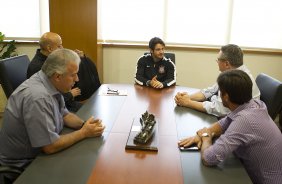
(155, 70)
(208, 100)
(247, 131)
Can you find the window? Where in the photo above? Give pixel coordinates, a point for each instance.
(131, 20)
(248, 23)
(24, 20)
(257, 23)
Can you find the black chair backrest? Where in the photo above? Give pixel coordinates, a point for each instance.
(271, 93)
(9, 174)
(13, 73)
(167, 55)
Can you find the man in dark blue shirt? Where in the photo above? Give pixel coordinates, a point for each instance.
(154, 69)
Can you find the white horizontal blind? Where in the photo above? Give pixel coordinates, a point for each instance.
(257, 23)
(131, 20)
(24, 19)
(197, 22)
(248, 23)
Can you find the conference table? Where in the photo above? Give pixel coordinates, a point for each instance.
(104, 160)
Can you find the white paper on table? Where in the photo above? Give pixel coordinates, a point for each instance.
(119, 93)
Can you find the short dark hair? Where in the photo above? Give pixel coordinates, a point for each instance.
(154, 41)
(232, 53)
(237, 84)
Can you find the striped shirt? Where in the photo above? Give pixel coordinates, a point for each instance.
(252, 136)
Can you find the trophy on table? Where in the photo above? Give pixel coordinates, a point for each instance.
(147, 122)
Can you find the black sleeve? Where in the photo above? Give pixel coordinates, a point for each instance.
(32, 69)
(89, 80)
(140, 73)
(67, 96)
(171, 75)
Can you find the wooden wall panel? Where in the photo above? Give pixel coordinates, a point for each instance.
(76, 22)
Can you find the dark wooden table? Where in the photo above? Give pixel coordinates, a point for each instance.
(104, 160)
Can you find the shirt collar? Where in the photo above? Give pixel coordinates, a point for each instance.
(47, 83)
(232, 114)
(40, 55)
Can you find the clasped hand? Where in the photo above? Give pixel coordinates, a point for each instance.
(155, 83)
(93, 127)
(182, 99)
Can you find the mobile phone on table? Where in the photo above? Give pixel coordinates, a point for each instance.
(192, 147)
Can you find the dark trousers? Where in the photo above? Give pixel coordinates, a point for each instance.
(8, 178)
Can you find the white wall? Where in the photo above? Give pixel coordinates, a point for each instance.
(194, 68)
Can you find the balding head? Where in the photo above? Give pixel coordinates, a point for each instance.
(49, 42)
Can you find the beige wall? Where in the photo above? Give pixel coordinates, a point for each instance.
(194, 68)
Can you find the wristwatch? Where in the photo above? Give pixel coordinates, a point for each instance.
(148, 83)
(83, 124)
(205, 134)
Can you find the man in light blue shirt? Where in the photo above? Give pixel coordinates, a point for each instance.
(208, 100)
(35, 113)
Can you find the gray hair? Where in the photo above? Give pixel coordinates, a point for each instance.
(58, 60)
(232, 53)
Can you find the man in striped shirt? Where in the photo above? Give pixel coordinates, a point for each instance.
(247, 131)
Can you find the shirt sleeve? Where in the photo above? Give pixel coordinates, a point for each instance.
(224, 123)
(140, 73)
(234, 137)
(42, 126)
(171, 75)
(210, 91)
(215, 106)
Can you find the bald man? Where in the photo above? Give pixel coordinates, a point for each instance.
(88, 76)
(48, 43)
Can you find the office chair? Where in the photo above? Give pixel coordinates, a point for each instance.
(271, 95)
(169, 55)
(13, 73)
(9, 174)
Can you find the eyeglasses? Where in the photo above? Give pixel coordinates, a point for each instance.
(112, 91)
(220, 59)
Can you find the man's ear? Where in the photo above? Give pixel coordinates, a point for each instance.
(226, 97)
(57, 77)
(227, 64)
(49, 48)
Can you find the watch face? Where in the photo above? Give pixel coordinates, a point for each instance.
(205, 134)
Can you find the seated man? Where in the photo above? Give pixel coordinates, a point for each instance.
(35, 113)
(247, 131)
(154, 69)
(89, 80)
(208, 100)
